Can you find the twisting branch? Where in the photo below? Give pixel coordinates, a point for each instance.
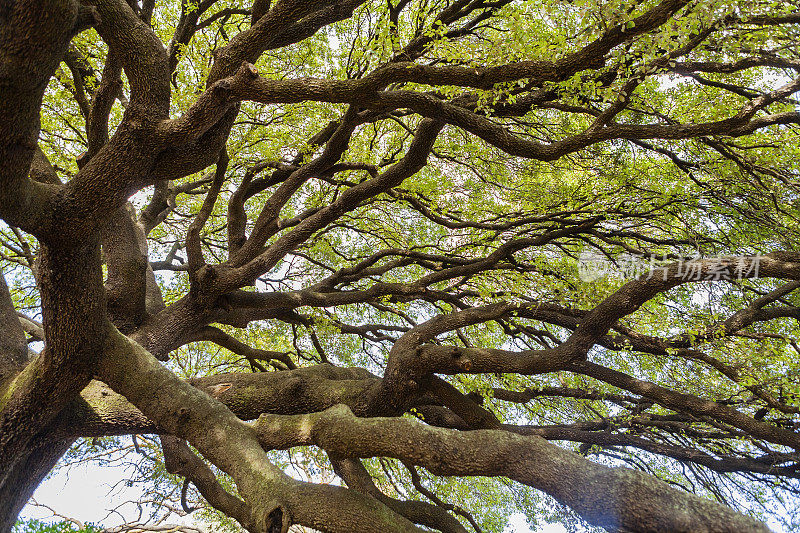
(486, 452)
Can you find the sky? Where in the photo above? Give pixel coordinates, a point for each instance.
(89, 493)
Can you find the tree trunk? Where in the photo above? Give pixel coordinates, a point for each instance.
(23, 477)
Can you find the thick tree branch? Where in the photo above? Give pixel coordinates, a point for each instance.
(614, 498)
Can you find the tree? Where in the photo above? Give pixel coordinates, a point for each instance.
(354, 229)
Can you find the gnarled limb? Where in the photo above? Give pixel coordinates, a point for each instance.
(618, 499)
(211, 428)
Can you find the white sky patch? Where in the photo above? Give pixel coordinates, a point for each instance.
(91, 494)
(517, 524)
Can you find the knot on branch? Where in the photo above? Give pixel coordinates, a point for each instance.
(461, 362)
(248, 70)
(182, 416)
(274, 518)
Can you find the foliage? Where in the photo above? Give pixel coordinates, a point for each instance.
(37, 526)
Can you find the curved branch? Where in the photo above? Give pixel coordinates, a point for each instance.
(614, 498)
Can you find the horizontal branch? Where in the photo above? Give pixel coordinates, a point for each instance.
(614, 498)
